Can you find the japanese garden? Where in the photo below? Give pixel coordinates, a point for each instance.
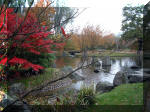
(47, 66)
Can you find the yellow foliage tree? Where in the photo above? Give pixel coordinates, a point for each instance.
(44, 12)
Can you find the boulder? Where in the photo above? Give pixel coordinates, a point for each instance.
(135, 67)
(94, 60)
(19, 106)
(146, 77)
(146, 74)
(135, 78)
(96, 71)
(67, 69)
(74, 76)
(120, 78)
(104, 87)
(71, 52)
(65, 53)
(106, 61)
(16, 89)
(96, 64)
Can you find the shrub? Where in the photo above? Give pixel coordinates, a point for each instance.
(86, 96)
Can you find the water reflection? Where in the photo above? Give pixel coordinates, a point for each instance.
(117, 64)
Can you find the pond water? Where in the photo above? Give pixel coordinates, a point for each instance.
(91, 78)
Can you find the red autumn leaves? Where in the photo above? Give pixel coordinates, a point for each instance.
(3, 61)
(30, 36)
(25, 64)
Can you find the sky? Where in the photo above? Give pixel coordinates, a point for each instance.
(105, 13)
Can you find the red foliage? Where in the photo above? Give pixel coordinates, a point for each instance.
(3, 61)
(30, 36)
(63, 31)
(25, 64)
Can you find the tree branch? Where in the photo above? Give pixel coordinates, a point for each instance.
(41, 87)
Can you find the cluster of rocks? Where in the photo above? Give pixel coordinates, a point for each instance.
(121, 78)
(106, 61)
(13, 92)
(97, 64)
(74, 76)
(70, 53)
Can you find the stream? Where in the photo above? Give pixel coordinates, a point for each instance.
(91, 78)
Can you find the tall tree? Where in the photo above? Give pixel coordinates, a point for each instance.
(63, 15)
(45, 18)
(19, 5)
(132, 24)
(24, 39)
(146, 26)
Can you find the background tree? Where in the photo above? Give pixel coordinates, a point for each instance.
(146, 26)
(132, 24)
(45, 19)
(18, 5)
(108, 41)
(63, 15)
(90, 37)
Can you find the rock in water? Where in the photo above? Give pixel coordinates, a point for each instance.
(135, 78)
(96, 64)
(135, 67)
(74, 76)
(96, 71)
(120, 78)
(106, 61)
(67, 69)
(104, 87)
(65, 53)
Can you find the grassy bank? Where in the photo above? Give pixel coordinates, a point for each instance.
(122, 53)
(36, 80)
(127, 94)
(124, 98)
(115, 54)
(111, 54)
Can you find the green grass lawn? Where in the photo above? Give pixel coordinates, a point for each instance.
(124, 98)
(127, 94)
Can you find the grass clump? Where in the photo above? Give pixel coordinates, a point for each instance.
(86, 96)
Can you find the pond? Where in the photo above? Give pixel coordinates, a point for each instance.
(91, 78)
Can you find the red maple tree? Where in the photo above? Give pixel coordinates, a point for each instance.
(24, 34)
